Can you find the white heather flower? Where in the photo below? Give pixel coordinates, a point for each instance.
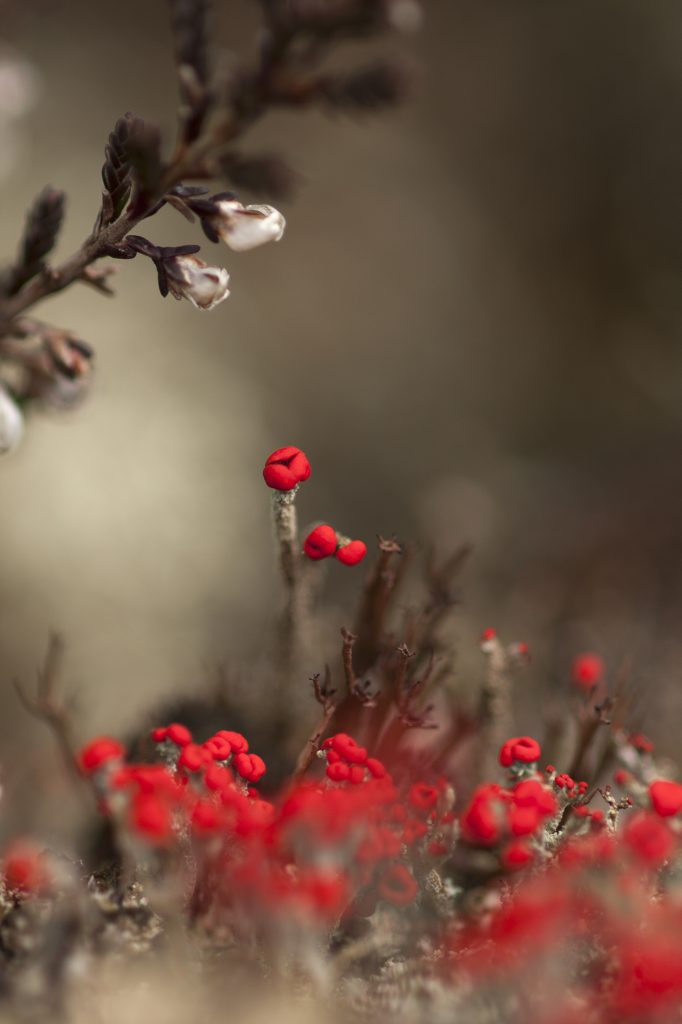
(190, 278)
(246, 227)
(11, 423)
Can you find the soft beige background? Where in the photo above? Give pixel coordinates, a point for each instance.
(471, 326)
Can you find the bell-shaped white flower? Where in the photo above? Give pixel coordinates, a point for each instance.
(190, 278)
(11, 423)
(246, 227)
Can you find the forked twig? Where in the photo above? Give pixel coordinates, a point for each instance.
(324, 694)
(46, 705)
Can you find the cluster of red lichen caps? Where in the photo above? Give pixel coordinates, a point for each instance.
(342, 843)
(605, 895)
(198, 784)
(324, 542)
(284, 470)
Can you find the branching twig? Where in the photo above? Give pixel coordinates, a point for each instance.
(324, 694)
(47, 706)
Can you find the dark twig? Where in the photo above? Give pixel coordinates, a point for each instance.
(379, 587)
(348, 644)
(324, 694)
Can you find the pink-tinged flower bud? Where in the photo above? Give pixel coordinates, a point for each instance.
(587, 670)
(320, 542)
(190, 278)
(286, 468)
(352, 553)
(11, 423)
(245, 227)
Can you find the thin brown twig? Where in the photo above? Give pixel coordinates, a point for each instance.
(347, 655)
(379, 588)
(324, 695)
(47, 707)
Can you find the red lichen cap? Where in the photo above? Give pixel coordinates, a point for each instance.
(151, 819)
(666, 797)
(352, 553)
(587, 670)
(320, 542)
(397, 885)
(179, 734)
(24, 868)
(520, 748)
(98, 751)
(286, 468)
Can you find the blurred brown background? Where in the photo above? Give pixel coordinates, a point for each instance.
(471, 326)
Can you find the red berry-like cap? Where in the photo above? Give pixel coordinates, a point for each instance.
(24, 868)
(218, 747)
(520, 748)
(151, 818)
(194, 757)
(250, 766)
(587, 670)
(205, 816)
(320, 542)
(397, 886)
(239, 743)
(285, 468)
(352, 553)
(422, 796)
(375, 768)
(516, 855)
(98, 751)
(179, 734)
(666, 797)
(218, 778)
(338, 771)
(649, 839)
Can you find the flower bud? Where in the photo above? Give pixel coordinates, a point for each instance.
(11, 423)
(320, 542)
(190, 278)
(245, 227)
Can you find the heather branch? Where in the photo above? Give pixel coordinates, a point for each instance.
(133, 156)
(43, 221)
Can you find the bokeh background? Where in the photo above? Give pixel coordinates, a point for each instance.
(472, 326)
